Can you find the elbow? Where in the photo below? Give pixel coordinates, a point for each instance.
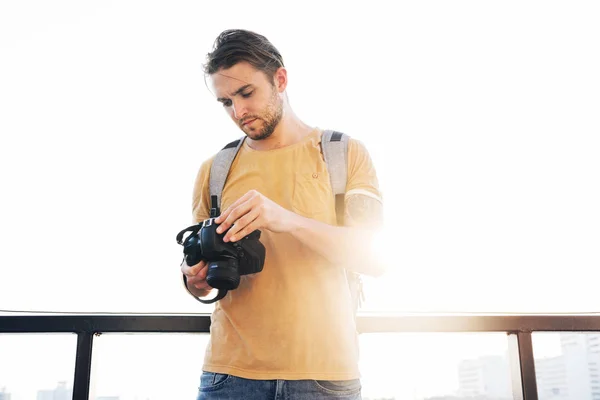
(376, 269)
(370, 265)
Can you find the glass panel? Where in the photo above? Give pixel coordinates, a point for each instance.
(419, 366)
(567, 365)
(157, 367)
(147, 366)
(37, 366)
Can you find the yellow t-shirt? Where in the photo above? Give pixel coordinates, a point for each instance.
(294, 319)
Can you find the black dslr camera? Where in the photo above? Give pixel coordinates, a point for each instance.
(226, 261)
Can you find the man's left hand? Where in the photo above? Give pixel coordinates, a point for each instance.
(253, 211)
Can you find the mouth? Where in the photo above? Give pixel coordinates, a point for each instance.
(248, 122)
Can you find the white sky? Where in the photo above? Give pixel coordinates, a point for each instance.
(482, 119)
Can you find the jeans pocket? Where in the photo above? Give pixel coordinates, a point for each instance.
(348, 387)
(210, 381)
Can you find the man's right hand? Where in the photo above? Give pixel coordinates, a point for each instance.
(196, 278)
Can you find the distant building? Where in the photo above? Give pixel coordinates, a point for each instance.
(573, 375)
(551, 378)
(487, 376)
(61, 392)
(581, 353)
(4, 395)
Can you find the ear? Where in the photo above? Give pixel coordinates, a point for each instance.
(280, 79)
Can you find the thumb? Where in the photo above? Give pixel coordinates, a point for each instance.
(198, 267)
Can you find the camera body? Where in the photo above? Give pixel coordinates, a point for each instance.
(227, 262)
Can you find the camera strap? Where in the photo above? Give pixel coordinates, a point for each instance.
(194, 229)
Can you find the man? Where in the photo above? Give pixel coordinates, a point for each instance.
(287, 332)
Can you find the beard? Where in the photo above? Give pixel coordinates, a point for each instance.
(269, 119)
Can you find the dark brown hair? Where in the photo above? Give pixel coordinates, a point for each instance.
(236, 45)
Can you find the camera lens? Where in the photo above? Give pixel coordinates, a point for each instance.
(223, 274)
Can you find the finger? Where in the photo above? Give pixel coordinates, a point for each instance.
(234, 215)
(186, 270)
(203, 271)
(248, 229)
(196, 279)
(199, 284)
(225, 214)
(194, 269)
(203, 286)
(239, 201)
(241, 223)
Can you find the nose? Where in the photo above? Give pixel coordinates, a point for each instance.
(239, 110)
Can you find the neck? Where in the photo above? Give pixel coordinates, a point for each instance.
(290, 130)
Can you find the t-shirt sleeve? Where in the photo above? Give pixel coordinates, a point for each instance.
(200, 198)
(362, 177)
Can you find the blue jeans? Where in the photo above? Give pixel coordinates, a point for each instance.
(228, 387)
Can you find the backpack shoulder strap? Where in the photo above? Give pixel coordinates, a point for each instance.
(218, 174)
(335, 151)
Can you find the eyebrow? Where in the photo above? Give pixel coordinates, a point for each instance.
(240, 90)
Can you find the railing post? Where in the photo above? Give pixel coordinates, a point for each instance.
(522, 366)
(83, 366)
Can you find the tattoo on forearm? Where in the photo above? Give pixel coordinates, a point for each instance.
(362, 210)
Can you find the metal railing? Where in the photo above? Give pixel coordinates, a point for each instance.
(518, 328)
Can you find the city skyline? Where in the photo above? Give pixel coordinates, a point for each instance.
(425, 376)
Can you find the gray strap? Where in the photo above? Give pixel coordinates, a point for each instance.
(219, 171)
(335, 150)
(335, 147)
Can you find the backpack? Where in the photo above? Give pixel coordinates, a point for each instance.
(334, 146)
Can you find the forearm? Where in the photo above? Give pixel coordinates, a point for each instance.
(348, 247)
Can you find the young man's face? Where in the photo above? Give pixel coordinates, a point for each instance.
(250, 98)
